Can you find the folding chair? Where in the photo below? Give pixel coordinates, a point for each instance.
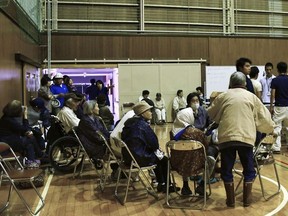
(182, 149)
(110, 158)
(134, 167)
(82, 155)
(17, 175)
(264, 152)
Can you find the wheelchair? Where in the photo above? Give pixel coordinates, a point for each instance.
(61, 147)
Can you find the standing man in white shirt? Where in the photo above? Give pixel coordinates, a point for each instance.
(266, 84)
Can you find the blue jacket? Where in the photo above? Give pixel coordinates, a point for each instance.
(57, 89)
(141, 141)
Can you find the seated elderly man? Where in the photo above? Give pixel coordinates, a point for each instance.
(67, 114)
(239, 114)
(160, 109)
(143, 144)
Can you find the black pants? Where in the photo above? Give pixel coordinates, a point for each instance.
(161, 170)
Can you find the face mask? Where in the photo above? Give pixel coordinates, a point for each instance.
(195, 106)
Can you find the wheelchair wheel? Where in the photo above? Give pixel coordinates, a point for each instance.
(63, 153)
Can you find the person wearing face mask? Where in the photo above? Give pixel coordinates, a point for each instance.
(200, 114)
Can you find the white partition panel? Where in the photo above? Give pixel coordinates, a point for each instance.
(163, 78)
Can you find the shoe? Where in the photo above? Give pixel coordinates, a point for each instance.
(31, 163)
(161, 188)
(185, 191)
(213, 180)
(154, 183)
(136, 178)
(98, 164)
(151, 173)
(172, 188)
(200, 190)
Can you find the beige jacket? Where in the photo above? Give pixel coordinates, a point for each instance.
(240, 114)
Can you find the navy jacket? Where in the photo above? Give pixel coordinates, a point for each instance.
(141, 141)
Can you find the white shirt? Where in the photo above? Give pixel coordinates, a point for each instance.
(256, 85)
(179, 103)
(266, 90)
(118, 129)
(68, 118)
(159, 104)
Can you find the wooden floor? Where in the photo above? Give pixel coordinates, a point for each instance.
(66, 196)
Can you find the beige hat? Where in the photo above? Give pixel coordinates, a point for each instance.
(141, 107)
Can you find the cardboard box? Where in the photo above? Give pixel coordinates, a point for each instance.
(213, 95)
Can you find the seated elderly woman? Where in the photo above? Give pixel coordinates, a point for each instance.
(88, 125)
(15, 131)
(184, 128)
(143, 144)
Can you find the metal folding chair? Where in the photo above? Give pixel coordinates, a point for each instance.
(82, 155)
(264, 153)
(183, 149)
(107, 161)
(133, 167)
(18, 174)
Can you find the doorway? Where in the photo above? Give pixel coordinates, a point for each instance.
(81, 79)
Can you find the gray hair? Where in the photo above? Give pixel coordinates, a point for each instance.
(237, 79)
(69, 102)
(88, 107)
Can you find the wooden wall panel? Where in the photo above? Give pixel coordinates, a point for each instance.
(12, 41)
(217, 50)
(66, 47)
(225, 51)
